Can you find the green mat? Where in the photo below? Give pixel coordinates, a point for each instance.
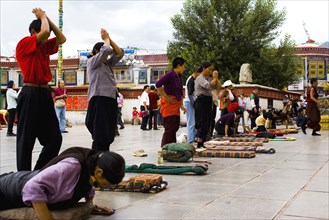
(173, 170)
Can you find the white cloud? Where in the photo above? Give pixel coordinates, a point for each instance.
(142, 24)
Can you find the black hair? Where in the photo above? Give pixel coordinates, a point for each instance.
(10, 84)
(134, 107)
(177, 61)
(152, 87)
(113, 166)
(118, 89)
(239, 111)
(313, 80)
(206, 64)
(200, 69)
(146, 86)
(96, 49)
(36, 26)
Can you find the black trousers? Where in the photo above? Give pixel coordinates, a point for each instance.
(254, 115)
(220, 128)
(101, 121)
(212, 120)
(36, 119)
(11, 119)
(144, 118)
(119, 121)
(153, 114)
(203, 107)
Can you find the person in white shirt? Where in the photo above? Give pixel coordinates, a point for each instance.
(144, 106)
(11, 96)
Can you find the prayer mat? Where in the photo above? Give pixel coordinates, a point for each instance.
(81, 211)
(174, 170)
(235, 139)
(230, 154)
(243, 135)
(227, 143)
(145, 183)
(283, 139)
(265, 150)
(259, 139)
(284, 130)
(277, 133)
(230, 148)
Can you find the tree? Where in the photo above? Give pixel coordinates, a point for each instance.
(227, 33)
(277, 67)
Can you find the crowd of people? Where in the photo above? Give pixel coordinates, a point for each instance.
(41, 115)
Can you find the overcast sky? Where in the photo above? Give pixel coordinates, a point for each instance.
(142, 24)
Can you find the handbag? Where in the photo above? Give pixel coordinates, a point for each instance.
(60, 103)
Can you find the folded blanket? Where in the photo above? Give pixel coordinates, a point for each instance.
(178, 152)
(231, 154)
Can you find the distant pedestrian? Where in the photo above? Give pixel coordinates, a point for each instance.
(101, 118)
(170, 86)
(242, 101)
(11, 96)
(144, 107)
(312, 110)
(189, 105)
(120, 101)
(35, 108)
(154, 110)
(204, 102)
(255, 107)
(60, 97)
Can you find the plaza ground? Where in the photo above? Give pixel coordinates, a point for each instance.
(290, 184)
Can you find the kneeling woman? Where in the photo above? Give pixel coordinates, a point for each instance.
(226, 124)
(267, 120)
(66, 179)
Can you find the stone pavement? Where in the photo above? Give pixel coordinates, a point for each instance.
(290, 184)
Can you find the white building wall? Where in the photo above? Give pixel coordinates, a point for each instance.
(80, 77)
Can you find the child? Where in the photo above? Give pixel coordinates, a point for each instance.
(135, 115)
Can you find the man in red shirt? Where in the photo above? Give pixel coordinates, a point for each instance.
(153, 108)
(35, 109)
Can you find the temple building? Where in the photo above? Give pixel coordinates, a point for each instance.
(314, 64)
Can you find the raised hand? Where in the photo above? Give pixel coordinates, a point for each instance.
(104, 34)
(39, 13)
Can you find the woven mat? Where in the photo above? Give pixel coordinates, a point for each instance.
(230, 154)
(228, 143)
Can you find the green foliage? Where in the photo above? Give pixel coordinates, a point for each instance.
(229, 33)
